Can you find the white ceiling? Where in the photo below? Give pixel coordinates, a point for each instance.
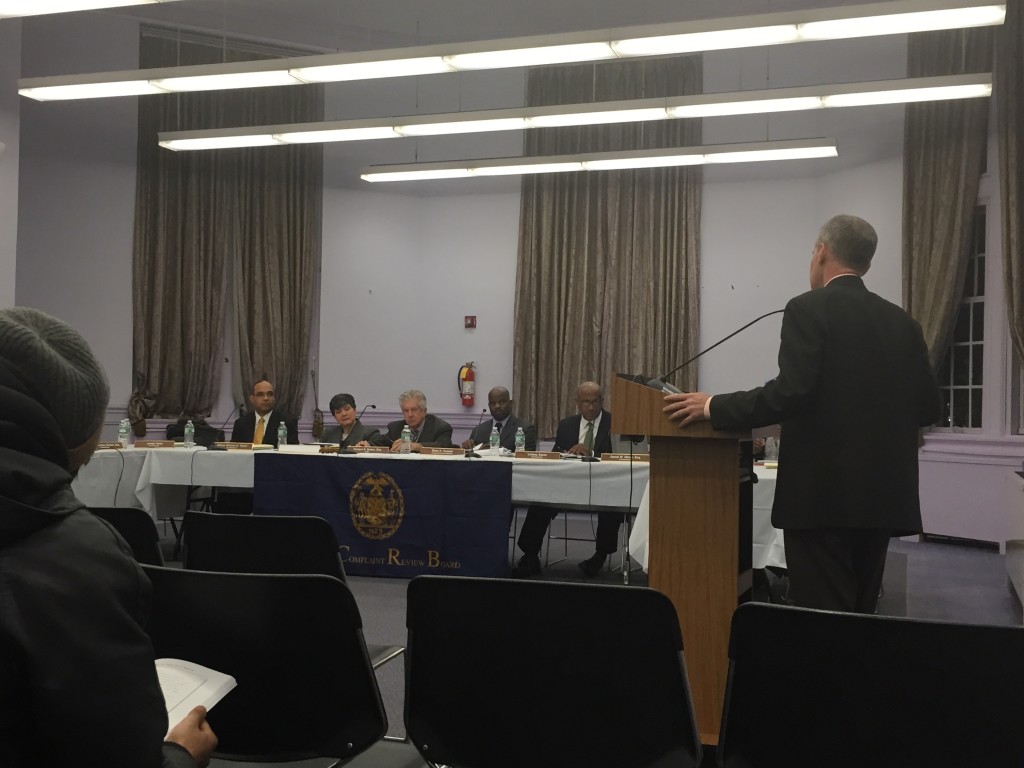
(330, 25)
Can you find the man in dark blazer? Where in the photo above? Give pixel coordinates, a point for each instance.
(588, 433)
(854, 386)
(427, 429)
(349, 430)
(263, 419)
(500, 405)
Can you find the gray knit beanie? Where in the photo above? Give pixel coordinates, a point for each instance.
(60, 370)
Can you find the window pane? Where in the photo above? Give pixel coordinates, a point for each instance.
(946, 369)
(977, 363)
(979, 229)
(944, 416)
(978, 321)
(980, 290)
(962, 330)
(969, 279)
(975, 407)
(960, 403)
(961, 365)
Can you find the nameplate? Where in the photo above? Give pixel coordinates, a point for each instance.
(538, 455)
(438, 451)
(154, 443)
(626, 457)
(114, 446)
(228, 445)
(371, 449)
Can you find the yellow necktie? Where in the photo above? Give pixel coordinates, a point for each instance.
(260, 426)
(588, 437)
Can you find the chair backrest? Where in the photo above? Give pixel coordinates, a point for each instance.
(504, 673)
(293, 643)
(818, 688)
(205, 434)
(137, 528)
(261, 544)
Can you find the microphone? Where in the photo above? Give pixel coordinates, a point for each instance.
(371, 405)
(237, 408)
(470, 453)
(661, 383)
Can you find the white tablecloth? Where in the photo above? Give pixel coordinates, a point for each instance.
(769, 546)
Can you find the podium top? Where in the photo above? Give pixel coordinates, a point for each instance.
(637, 410)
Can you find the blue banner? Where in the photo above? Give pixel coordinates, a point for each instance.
(398, 518)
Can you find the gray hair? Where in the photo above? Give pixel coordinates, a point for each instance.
(413, 394)
(851, 240)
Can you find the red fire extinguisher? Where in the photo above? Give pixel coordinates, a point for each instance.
(467, 384)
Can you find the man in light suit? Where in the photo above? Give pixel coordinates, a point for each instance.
(260, 425)
(499, 403)
(854, 386)
(426, 428)
(588, 433)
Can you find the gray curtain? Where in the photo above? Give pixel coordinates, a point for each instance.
(1009, 94)
(608, 266)
(195, 212)
(943, 158)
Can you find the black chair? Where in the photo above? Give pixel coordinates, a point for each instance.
(205, 434)
(480, 650)
(268, 544)
(137, 528)
(293, 643)
(818, 688)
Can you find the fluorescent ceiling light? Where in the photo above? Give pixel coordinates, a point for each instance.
(223, 82)
(38, 7)
(599, 161)
(226, 142)
(94, 90)
(700, 105)
(651, 40)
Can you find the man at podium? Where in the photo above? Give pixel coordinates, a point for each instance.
(854, 386)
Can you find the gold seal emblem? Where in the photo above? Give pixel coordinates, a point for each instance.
(376, 505)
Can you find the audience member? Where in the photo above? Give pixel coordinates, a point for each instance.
(259, 426)
(78, 684)
(500, 405)
(587, 433)
(427, 429)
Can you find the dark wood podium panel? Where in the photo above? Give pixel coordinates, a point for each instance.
(694, 528)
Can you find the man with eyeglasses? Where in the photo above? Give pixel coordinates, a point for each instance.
(587, 433)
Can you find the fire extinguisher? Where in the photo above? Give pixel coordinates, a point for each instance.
(467, 384)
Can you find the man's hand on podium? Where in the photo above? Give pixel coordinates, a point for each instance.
(686, 407)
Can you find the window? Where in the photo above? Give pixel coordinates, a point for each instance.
(961, 373)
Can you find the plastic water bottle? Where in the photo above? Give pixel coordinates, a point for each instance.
(520, 440)
(495, 440)
(190, 434)
(282, 435)
(406, 440)
(124, 431)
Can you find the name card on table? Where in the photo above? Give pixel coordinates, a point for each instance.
(154, 443)
(437, 451)
(233, 446)
(538, 455)
(626, 457)
(112, 446)
(371, 449)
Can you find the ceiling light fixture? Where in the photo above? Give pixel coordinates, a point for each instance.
(676, 107)
(9, 8)
(766, 151)
(887, 18)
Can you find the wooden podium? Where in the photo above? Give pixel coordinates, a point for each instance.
(694, 530)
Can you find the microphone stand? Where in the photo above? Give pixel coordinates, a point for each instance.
(470, 453)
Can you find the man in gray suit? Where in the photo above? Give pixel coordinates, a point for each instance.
(426, 428)
(499, 403)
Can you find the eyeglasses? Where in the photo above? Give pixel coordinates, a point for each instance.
(593, 401)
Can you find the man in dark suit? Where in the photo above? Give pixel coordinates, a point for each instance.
(588, 433)
(500, 405)
(349, 430)
(259, 426)
(427, 429)
(854, 386)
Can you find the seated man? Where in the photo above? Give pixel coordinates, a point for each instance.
(500, 405)
(350, 430)
(259, 426)
(588, 433)
(77, 680)
(427, 429)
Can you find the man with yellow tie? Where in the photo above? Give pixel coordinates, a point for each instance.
(259, 426)
(587, 433)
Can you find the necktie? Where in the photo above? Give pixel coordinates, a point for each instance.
(588, 437)
(415, 434)
(257, 438)
(498, 427)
